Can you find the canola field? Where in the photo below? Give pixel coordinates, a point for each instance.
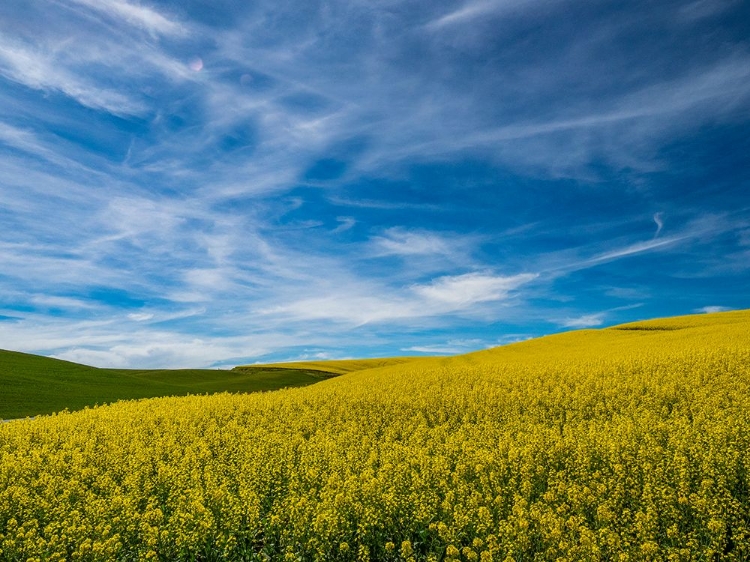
(624, 444)
(336, 367)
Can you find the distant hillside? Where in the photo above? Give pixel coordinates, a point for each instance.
(338, 367)
(33, 385)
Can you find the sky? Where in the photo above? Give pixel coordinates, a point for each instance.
(206, 184)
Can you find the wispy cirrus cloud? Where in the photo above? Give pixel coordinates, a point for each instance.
(50, 301)
(592, 320)
(637, 248)
(451, 347)
(659, 220)
(712, 309)
(479, 8)
(29, 142)
(419, 245)
(471, 288)
(637, 119)
(345, 223)
(139, 15)
(38, 70)
(397, 241)
(584, 321)
(594, 254)
(457, 294)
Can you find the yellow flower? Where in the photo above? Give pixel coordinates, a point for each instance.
(452, 551)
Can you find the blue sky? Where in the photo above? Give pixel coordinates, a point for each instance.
(214, 183)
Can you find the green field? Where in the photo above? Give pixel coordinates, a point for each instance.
(33, 385)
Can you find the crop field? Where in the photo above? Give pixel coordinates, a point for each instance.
(33, 385)
(339, 367)
(629, 444)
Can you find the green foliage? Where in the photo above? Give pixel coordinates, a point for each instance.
(32, 385)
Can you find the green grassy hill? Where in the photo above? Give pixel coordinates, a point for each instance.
(32, 385)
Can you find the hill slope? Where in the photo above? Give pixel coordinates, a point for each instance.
(337, 366)
(33, 385)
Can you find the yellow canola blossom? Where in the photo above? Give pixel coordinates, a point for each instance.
(619, 444)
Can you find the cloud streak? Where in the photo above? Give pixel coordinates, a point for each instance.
(659, 223)
(37, 70)
(139, 15)
(584, 321)
(471, 288)
(473, 10)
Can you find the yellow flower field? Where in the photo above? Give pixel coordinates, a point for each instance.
(621, 444)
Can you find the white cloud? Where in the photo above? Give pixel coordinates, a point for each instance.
(623, 128)
(398, 241)
(659, 220)
(461, 291)
(444, 296)
(630, 293)
(61, 302)
(185, 353)
(138, 345)
(451, 347)
(584, 321)
(41, 71)
(511, 338)
(345, 223)
(711, 309)
(700, 9)
(355, 309)
(27, 141)
(208, 281)
(637, 248)
(473, 10)
(383, 204)
(139, 15)
(140, 316)
(699, 230)
(139, 219)
(436, 349)
(465, 13)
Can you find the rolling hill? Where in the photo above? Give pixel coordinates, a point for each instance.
(33, 385)
(337, 366)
